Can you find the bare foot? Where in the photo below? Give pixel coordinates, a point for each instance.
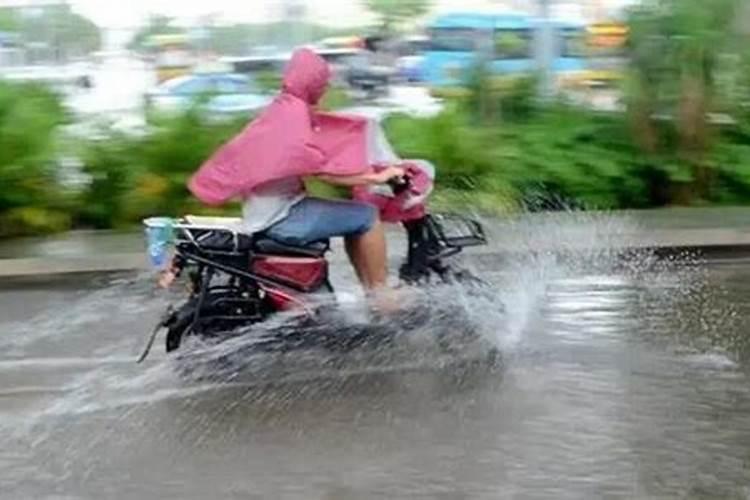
(166, 278)
(390, 300)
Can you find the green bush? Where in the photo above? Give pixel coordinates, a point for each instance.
(29, 117)
(683, 67)
(448, 141)
(335, 98)
(564, 155)
(560, 153)
(33, 221)
(491, 98)
(174, 151)
(268, 81)
(111, 163)
(133, 177)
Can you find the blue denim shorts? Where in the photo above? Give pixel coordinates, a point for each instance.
(316, 219)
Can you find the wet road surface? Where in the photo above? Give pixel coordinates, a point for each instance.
(616, 382)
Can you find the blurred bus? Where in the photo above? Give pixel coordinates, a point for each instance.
(340, 42)
(11, 53)
(571, 61)
(409, 52)
(173, 56)
(509, 42)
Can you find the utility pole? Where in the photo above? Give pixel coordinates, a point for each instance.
(292, 16)
(595, 11)
(545, 52)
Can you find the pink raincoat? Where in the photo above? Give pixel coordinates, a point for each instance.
(289, 139)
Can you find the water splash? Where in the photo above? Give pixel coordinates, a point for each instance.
(112, 303)
(543, 252)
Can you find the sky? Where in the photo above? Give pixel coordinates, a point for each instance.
(129, 13)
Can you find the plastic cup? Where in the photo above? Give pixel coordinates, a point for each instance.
(159, 237)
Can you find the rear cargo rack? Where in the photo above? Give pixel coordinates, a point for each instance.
(458, 231)
(212, 235)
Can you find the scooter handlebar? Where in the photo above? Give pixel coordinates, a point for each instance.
(400, 184)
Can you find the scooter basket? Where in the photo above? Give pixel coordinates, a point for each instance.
(458, 231)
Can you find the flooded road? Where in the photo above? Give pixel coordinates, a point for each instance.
(616, 382)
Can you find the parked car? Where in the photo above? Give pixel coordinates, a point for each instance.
(62, 77)
(410, 52)
(370, 71)
(225, 94)
(409, 68)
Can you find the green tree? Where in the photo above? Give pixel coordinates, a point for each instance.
(63, 32)
(393, 13)
(156, 25)
(8, 19)
(30, 198)
(676, 51)
(239, 39)
(76, 34)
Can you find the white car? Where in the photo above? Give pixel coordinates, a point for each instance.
(225, 94)
(409, 68)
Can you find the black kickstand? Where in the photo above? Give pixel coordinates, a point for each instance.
(162, 323)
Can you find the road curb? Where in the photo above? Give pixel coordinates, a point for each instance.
(39, 269)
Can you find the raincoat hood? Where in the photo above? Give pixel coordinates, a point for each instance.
(306, 76)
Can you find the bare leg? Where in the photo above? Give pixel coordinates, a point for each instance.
(368, 255)
(349, 246)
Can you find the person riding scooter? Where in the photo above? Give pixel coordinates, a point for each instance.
(243, 272)
(264, 167)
